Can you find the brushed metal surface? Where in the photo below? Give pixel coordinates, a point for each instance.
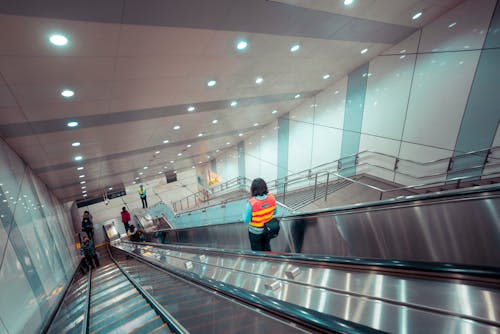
(463, 230)
(384, 302)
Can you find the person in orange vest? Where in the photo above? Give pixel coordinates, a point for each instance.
(260, 209)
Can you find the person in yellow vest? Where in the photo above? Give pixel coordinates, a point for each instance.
(142, 195)
(260, 209)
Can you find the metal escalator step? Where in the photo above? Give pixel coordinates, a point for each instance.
(161, 330)
(67, 326)
(111, 292)
(128, 322)
(118, 299)
(117, 319)
(108, 279)
(148, 326)
(119, 308)
(113, 305)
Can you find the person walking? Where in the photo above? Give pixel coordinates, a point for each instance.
(260, 209)
(125, 219)
(88, 227)
(142, 195)
(88, 250)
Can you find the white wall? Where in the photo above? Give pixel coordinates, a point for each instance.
(36, 247)
(415, 98)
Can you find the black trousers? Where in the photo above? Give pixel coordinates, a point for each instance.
(90, 233)
(144, 202)
(89, 259)
(259, 242)
(127, 227)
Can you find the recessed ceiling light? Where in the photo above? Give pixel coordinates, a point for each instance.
(75, 144)
(240, 134)
(84, 195)
(160, 173)
(84, 187)
(157, 152)
(215, 121)
(191, 108)
(348, 2)
(176, 127)
(402, 57)
(134, 182)
(82, 182)
(84, 191)
(200, 134)
(72, 124)
(199, 162)
(78, 158)
(255, 124)
(416, 15)
(259, 80)
(188, 145)
(179, 154)
(80, 168)
(208, 157)
(81, 176)
(146, 167)
(364, 51)
(67, 93)
(58, 40)
(217, 150)
(241, 44)
(211, 83)
(234, 103)
(166, 141)
(137, 178)
(451, 25)
(228, 143)
(297, 96)
(110, 188)
(141, 173)
(171, 161)
(295, 48)
(326, 76)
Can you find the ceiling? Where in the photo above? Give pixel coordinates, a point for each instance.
(136, 66)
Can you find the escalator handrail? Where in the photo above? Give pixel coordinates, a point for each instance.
(86, 319)
(306, 316)
(438, 267)
(173, 324)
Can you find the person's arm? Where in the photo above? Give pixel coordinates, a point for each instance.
(247, 216)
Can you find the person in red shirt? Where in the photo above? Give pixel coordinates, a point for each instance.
(125, 218)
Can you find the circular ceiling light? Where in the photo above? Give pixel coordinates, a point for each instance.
(200, 134)
(295, 48)
(297, 96)
(416, 16)
(166, 141)
(58, 40)
(255, 124)
(176, 127)
(274, 111)
(72, 124)
(234, 103)
(67, 93)
(326, 76)
(211, 83)
(78, 158)
(188, 145)
(259, 80)
(191, 108)
(81, 176)
(348, 2)
(157, 152)
(364, 51)
(179, 154)
(240, 134)
(241, 45)
(80, 168)
(75, 144)
(215, 121)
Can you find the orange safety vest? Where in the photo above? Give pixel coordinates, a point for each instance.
(262, 211)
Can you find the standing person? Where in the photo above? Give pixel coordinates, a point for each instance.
(142, 195)
(88, 227)
(125, 218)
(87, 214)
(88, 250)
(259, 210)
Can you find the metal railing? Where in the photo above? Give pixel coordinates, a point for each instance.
(323, 176)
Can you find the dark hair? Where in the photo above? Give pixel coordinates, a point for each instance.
(124, 209)
(259, 187)
(86, 211)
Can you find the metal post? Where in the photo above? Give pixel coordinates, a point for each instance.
(326, 190)
(450, 164)
(284, 192)
(315, 185)
(396, 164)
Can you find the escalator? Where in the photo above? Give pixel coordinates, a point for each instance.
(391, 297)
